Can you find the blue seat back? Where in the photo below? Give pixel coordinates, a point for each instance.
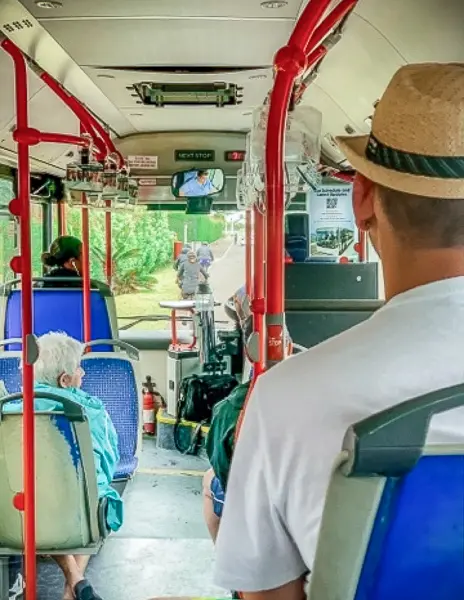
(416, 548)
(10, 372)
(112, 379)
(297, 247)
(59, 309)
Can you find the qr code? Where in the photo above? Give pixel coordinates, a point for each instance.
(332, 202)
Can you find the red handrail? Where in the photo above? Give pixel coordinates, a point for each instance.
(290, 62)
(62, 218)
(26, 136)
(329, 23)
(23, 264)
(248, 254)
(108, 244)
(32, 137)
(81, 113)
(86, 269)
(258, 304)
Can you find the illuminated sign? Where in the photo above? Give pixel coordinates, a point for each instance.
(195, 155)
(234, 156)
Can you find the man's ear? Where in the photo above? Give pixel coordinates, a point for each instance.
(363, 201)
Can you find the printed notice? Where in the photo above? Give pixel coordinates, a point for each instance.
(143, 162)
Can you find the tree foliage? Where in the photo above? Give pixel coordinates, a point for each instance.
(142, 243)
(200, 228)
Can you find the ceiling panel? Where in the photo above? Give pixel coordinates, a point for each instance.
(114, 83)
(165, 8)
(357, 70)
(420, 30)
(170, 42)
(7, 108)
(189, 119)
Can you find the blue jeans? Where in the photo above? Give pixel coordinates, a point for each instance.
(218, 496)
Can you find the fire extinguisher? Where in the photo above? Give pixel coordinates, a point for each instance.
(152, 402)
(149, 408)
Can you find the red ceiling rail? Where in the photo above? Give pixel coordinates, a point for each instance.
(89, 123)
(80, 111)
(32, 137)
(20, 207)
(332, 20)
(290, 62)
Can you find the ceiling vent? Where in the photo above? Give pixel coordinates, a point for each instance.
(218, 94)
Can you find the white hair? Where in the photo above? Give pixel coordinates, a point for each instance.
(59, 355)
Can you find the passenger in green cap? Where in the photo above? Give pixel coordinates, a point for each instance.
(64, 260)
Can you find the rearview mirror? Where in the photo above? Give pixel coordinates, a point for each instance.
(197, 183)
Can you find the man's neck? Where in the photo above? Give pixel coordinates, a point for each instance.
(412, 268)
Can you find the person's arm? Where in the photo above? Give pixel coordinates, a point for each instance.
(180, 273)
(255, 553)
(290, 591)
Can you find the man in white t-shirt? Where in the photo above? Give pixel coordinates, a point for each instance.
(409, 197)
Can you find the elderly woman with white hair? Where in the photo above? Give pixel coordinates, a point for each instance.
(58, 370)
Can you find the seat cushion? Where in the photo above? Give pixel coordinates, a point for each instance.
(112, 380)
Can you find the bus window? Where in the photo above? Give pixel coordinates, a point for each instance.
(8, 229)
(297, 235)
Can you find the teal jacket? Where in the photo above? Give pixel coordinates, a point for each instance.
(104, 442)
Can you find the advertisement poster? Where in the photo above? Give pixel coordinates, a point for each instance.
(333, 230)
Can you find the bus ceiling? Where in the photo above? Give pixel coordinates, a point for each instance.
(100, 51)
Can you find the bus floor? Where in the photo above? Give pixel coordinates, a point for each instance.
(163, 548)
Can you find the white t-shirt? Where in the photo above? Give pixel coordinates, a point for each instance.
(297, 418)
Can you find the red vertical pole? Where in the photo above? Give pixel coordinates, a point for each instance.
(290, 62)
(259, 284)
(22, 264)
(248, 254)
(62, 228)
(362, 249)
(86, 268)
(108, 243)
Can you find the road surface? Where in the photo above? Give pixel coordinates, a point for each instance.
(227, 274)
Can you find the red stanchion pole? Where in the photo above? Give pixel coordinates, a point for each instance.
(108, 244)
(258, 304)
(248, 253)
(62, 228)
(22, 264)
(290, 62)
(86, 268)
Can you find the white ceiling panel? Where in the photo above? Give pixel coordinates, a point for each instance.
(146, 119)
(357, 70)
(420, 30)
(170, 42)
(115, 83)
(164, 8)
(39, 45)
(7, 107)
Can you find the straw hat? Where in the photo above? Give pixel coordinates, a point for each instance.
(417, 140)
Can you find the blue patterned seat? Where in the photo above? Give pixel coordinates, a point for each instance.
(112, 379)
(10, 372)
(61, 309)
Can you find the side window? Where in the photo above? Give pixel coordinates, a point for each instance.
(36, 239)
(8, 230)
